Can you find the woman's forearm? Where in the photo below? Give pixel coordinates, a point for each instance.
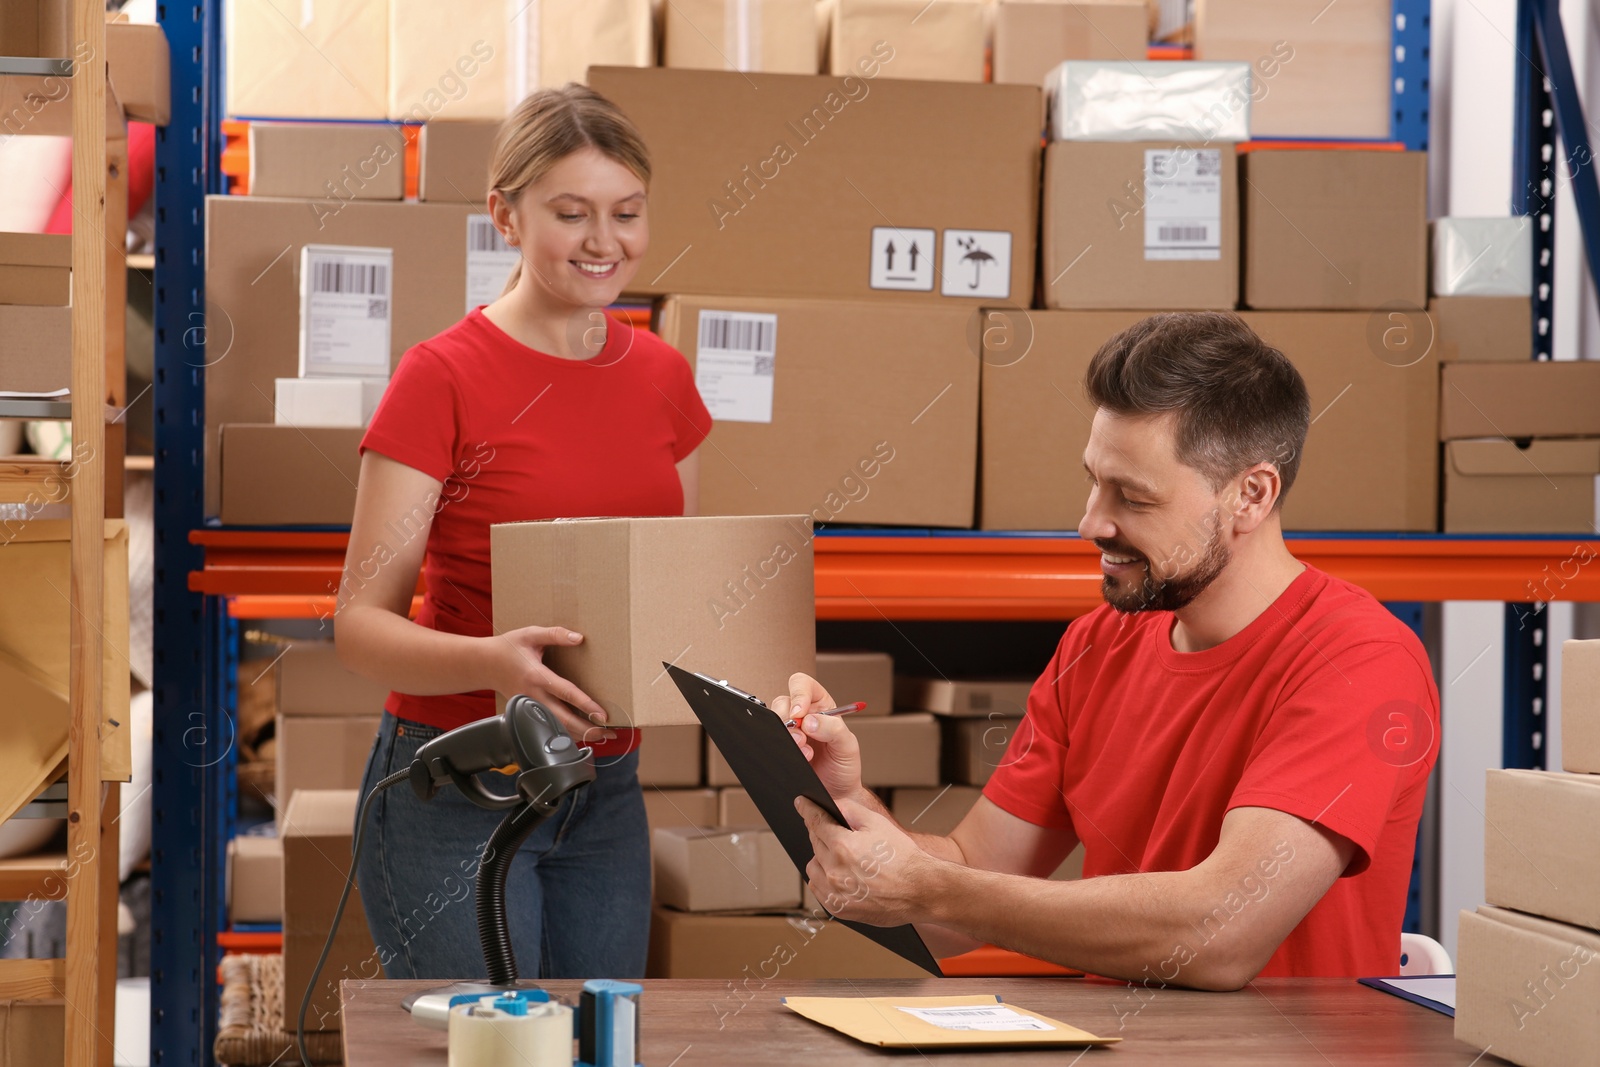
(396, 652)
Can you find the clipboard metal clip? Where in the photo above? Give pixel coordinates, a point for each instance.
(723, 683)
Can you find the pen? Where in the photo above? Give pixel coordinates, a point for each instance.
(844, 709)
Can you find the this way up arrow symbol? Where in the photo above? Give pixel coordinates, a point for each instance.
(914, 254)
(888, 252)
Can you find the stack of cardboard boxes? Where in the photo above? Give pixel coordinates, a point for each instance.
(1528, 962)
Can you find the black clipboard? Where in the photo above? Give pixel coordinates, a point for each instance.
(770, 767)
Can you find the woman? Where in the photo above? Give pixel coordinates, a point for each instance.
(535, 406)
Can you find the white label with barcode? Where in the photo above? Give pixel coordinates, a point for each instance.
(1182, 203)
(345, 311)
(489, 261)
(998, 1019)
(733, 368)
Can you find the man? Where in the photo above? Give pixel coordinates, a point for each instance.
(1241, 742)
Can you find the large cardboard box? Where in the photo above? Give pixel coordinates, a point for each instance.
(781, 185)
(966, 697)
(1326, 229)
(334, 160)
(1323, 72)
(751, 949)
(670, 756)
(974, 748)
(1369, 464)
(703, 869)
(33, 1033)
(1526, 987)
(255, 880)
(1522, 398)
(776, 36)
(1580, 700)
(1481, 329)
(139, 66)
(679, 807)
(316, 831)
(1495, 485)
(1140, 225)
(35, 268)
(898, 750)
(253, 293)
(35, 349)
(312, 681)
(729, 597)
(884, 397)
(288, 475)
(318, 753)
(38, 28)
(867, 677)
(933, 809)
(453, 161)
(1031, 38)
(326, 60)
(936, 42)
(735, 808)
(1529, 859)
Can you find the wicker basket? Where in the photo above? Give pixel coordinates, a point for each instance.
(251, 1031)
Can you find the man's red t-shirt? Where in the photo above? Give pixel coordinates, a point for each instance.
(1323, 707)
(516, 434)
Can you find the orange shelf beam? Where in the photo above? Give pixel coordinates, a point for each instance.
(976, 577)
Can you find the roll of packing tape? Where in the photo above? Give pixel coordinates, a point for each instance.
(485, 1036)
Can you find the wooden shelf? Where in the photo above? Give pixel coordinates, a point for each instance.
(43, 876)
(32, 979)
(26, 479)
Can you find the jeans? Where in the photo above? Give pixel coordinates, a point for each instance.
(578, 895)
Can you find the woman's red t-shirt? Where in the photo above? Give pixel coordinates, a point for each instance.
(516, 434)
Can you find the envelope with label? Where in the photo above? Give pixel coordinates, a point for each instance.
(951, 1022)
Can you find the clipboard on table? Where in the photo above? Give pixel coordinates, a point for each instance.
(762, 754)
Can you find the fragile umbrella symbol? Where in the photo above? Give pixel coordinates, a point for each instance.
(976, 256)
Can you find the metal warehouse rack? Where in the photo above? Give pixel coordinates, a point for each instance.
(207, 577)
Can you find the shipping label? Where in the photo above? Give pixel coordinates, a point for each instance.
(345, 311)
(1182, 203)
(733, 367)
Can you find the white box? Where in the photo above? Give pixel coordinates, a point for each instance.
(1101, 100)
(326, 401)
(1483, 257)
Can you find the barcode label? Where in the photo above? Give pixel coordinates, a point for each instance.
(1183, 203)
(345, 304)
(489, 261)
(735, 364)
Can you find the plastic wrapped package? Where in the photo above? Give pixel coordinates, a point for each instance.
(1483, 257)
(1101, 100)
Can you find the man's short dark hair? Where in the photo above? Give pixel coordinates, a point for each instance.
(1237, 400)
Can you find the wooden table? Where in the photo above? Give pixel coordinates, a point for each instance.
(1274, 1020)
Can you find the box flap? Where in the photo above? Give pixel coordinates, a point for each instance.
(320, 813)
(1564, 933)
(1497, 456)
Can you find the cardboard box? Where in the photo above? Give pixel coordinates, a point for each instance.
(735, 808)
(933, 810)
(898, 750)
(39, 28)
(1369, 462)
(1529, 859)
(936, 42)
(346, 402)
(35, 268)
(1482, 329)
(315, 832)
(1031, 38)
(1483, 256)
(671, 756)
(751, 949)
(731, 597)
(334, 160)
(973, 748)
(867, 677)
(718, 773)
(702, 869)
(312, 682)
(453, 160)
(1493, 485)
(288, 475)
(1523, 398)
(1580, 701)
(781, 185)
(35, 349)
(972, 698)
(33, 1033)
(139, 66)
(903, 434)
(255, 880)
(776, 36)
(1526, 987)
(1140, 225)
(1328, 229)
(328, 60)
(1327, 76)
(253, 248)
(679, 807)
(319, 753)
